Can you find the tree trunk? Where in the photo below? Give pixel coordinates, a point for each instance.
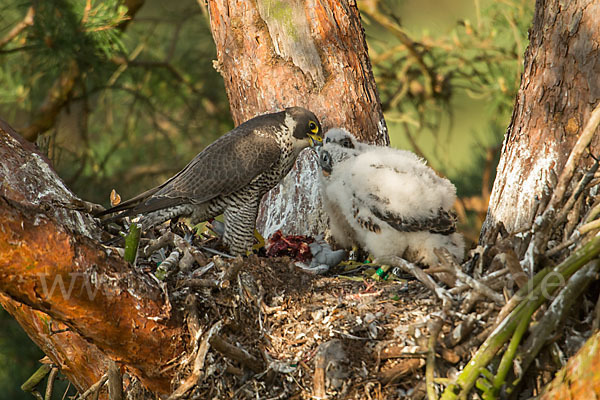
(559, 88)
(580, 378)
(275, 54)
(55, 275)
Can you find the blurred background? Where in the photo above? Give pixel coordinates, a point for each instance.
(124, 101)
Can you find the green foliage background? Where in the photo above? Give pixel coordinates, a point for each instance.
(147, 97)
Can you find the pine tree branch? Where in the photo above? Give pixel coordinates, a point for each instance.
(60, 92)
(52, 267)
(19, 27)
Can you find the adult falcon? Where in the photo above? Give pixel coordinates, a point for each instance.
(230, 176)
(386, 200)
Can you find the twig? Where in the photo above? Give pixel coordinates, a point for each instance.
(168, 265)
(348, 335)
(590, 226)
(184, 245)
(217, 252)
(585, 179)
(567, 243)
(198, 368)
(443, 256)
(509, 259)
(207, 283)
(187, 261)
(507, 358)
(35, 379)
(465, 348)
(234, 268)
(331, 358)
(192, 319)
(418, 273)
(115, 381)
(460, 332)
(594, 212)
(156, 244)
(237, 354)
(407, 42)
(19, 27)
(487, 280)
(202, 270)
(95, 388)
(435, 327)
(50, 384)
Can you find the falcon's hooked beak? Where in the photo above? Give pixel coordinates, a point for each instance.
(315, 140)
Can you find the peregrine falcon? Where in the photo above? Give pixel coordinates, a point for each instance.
(230, 176)
(387, 200)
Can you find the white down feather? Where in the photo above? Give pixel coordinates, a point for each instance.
(390, 181)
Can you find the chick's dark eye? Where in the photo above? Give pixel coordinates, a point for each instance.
(347, 143)
(328, 140)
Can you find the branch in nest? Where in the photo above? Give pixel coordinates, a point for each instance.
(199, 360)
(435, 327)
(515, 323)
(95, 388)
(50, 384)
(556, 313)
(331, 366)
(115, 381)
(445, 258)
(418, 273)
(236, 353)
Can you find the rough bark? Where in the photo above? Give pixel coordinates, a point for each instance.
(560, 87)
(580, 378)
(274, 54)
(55, 275)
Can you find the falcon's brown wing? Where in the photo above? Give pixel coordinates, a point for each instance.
(225, 166)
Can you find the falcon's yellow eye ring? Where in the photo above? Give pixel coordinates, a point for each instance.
(312, 125)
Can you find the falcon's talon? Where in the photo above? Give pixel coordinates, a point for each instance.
(260, 239)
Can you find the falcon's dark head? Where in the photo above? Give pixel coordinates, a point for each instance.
(305, 126)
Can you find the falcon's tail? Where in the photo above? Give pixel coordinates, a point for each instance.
(125, 208)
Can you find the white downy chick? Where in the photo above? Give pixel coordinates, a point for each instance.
(392, 203)
(338, 145)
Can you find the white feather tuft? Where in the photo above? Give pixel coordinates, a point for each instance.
(371, 188)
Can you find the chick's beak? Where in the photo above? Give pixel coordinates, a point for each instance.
(315, 140)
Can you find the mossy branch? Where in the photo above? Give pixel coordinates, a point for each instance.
(542, 291)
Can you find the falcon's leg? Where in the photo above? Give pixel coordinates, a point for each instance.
(240, 220)
(261, 241)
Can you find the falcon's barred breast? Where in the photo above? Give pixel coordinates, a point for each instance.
(387, 200)
(230, 176)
